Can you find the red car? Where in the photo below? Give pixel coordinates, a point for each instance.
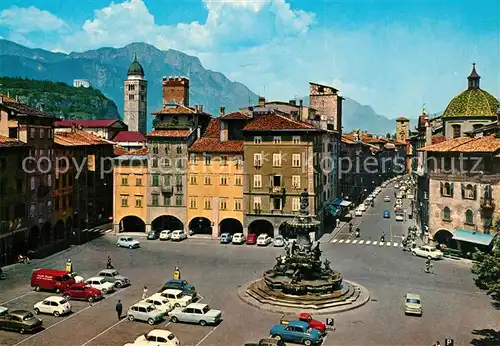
(251, 239)
(307, 317)
(82, 291)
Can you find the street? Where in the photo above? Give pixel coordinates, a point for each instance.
(452, 306)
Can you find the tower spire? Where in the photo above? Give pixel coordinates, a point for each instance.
(474, 78)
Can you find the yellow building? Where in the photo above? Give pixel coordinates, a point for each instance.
(130, 192)
(215, 178)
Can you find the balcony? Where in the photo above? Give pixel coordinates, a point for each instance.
(480, 177)
(257, 211)
(487, 203)
(277, 190)
(167, 190)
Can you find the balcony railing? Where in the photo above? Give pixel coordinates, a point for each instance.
(277, 190)
(167, 190)
(487, 203)
(464, 176)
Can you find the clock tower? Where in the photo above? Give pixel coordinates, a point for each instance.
(402, 129)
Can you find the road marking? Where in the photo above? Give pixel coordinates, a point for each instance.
(354, 241)
(106, 330)
(374, 243)
(368, 242)
(381, 243)
(13, 299)
(67, 318)
(361, 241)
(347, 241)
(388, 243)
(341, 241)
(206, 336)
(335, 240)
(396, 244)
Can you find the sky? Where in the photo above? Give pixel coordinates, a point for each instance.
(395, 56)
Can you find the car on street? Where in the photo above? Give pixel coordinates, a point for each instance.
(112, 275)
(53, 305)
(384, 185)
(178, 235)
(160, 302)
(251, 239)
(153, 235)
(101, 284)
(279, 241)
(157, 337)
(226, 238)
(297, 332)
(77, 277)
(82, 291)
(413, 304)
(264, 240)
(165, 235)
(197, 313)
(145, 312)
(387, 199)
(179, 284)
(129, 242)
(3, 310)
(396, 186)
(410, 196)
(358, 212)
(176, 297)
(267, 342)
(427, 251)
(239, 238)
(307, 317)
(399, 217)
(20, 321)
(387, 214)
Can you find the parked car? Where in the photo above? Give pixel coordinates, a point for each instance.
(101, 284)
(413, 304)
(129, 242)
(3, 311)
(279, 241)
(145, 312)
(51, 280)
(165, 234)
(251, 239)
(176, 297)
(384, 185)
(427, 251)
(268, 342)
(112, 275)
(178, 284)
(387, 199)
(387, 214)
(53, 305)
(160, 302)
(239, 238)
(297, 332)
(153, 235)
(396, 186)
(77, 277)
(410, 196)
(263, 240)
(198, 313)
(226, 238)
(157, 337)
(307, 317)
(399, 217)
(82, 291)
(20, 321)
(358, 212)
(178, 235)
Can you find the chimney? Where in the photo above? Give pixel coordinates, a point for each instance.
(293, 102)
(222, 111)
(199, 108)
(428, 133)
(198, 132)
(262, 101)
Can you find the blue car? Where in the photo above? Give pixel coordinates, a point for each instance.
(226, 238)
(297, 332)
(387, 214)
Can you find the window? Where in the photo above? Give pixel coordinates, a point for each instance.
(223, 204)
(295, 160)
(277, 140)
(155, 149)
(276, 203)
(446, 214)
(179, 149)
(192, 202)
(51, 133)
(49, 180)
(166, 162)
(208, 159)
(193, 159)
(12, 132)
(276, 160)
(207, 180)
(32, 132)
(238, 181)
(131, 87)
(257, 181)
(42, 131)
(276, 181)
(131, 97)
(223, 180)
(469, 191)
(32, 183)
(138, 202)
(166, 180)
(238, 161)
(237, 204)
(192, 179)
(32, 210)
(296, 139)
(257, 140)
(469, 217)
(457, 131)
(167, 149)
(49, 206)
(207, 203)
(257, 160)
(156, 180)
(155, 163)
(223, 160)
(295, 204)
(257, 203)
(179, 163)
(178, 201)
(296, 181)
(138, 181)
(447, 189)
(166, 200)
(124, 180)
(154, 200)
(124, 201)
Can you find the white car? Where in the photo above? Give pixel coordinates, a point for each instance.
(176, 297)
(410, 196)
(101, 284)
(160, 302)
(53, 305)
(165, 234)
(239, 238)
(428, 252)
(129, 242)
(157, 337)
(396, 186)
(78, 278)
(178, 235)
(264, 240)
(384, 185)
(387, 199)
(399, 217)
(358, 212)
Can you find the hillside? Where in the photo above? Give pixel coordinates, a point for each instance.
(60, 98)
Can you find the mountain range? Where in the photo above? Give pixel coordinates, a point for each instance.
(106, 68)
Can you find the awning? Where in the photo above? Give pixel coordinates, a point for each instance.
(473, 237)
(338, 201)
(345, 203)
(333, 210)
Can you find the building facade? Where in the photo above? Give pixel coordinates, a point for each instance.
(136, 98)
(106, 128)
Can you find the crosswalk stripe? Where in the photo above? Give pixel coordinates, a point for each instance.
(396, 244)
(361, 241)
(347, 241)
(381, 243)
(388, 243)
(374, 243)
(335, 240)
(368, 242)
(354, 241)
(341, 241)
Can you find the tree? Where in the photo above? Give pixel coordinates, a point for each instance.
(487, 269)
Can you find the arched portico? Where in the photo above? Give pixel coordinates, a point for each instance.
(132, 224)
(200, 225)
(59, 230)
(231, 226)
(69, 226)
(261, 226)
(34, 236)
(443, 236)
(167, 222)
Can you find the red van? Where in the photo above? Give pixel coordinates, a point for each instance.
(251, 239)
(51, 280)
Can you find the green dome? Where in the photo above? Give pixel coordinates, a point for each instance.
(135, 69)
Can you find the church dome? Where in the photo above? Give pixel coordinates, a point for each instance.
(472, 102)
(135, 68)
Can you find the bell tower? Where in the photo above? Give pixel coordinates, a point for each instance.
(136, 96)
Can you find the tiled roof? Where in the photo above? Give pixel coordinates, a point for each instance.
(348, 140)
(276, 122)
(438, 139)
(6, 142)
(402, 119)
(119, 151)
(174, 109)
(21, 108)
(236, 115)
(129, 136)
(169, 133)
(78, 138)
(210, 142)
(142, 151)
(86, 123)
(6, 98)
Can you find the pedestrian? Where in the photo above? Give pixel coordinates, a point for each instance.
(108, 264)
(338, 222)
(119, 309)
(145, 293)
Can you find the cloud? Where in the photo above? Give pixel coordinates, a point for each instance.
(24, 20)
